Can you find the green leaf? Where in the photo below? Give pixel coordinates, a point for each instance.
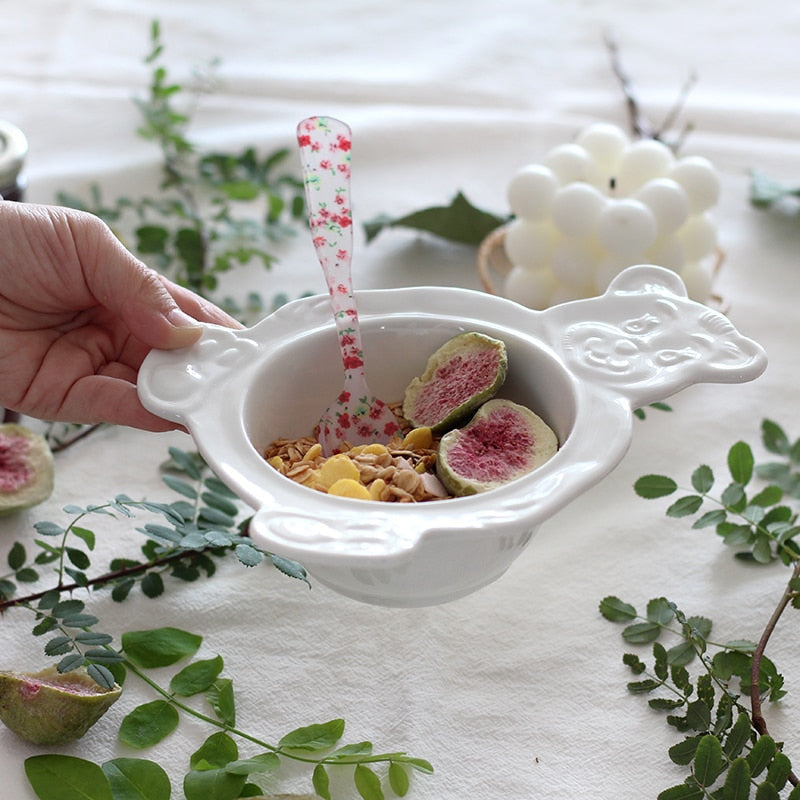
(740, 463)
(614, 610)
(651, 487)
(180, 486)
(70, 662)
(190, 248)
(698, 715)
(221, 699)
(217, 751)
(398, 779)
(367, 783)
(264, 762)
(314, 737)
(761, 754)
(768, 496)
(643, 686)
(641, 632)
(708, 761)
(660, 611)
(683, 752)
(212, 784)
(733, 496)
(186, 462)
(48, 529)
(459, 222)
(137, 779)
(159, 647)
(779, 770)
(221, 503)
(16, 556)
(58, 645)
(77, 557)
(767, 791)
(682, 791)
(196, 677)
(710, 518)
(102, 675)
(58, 777)
(27, 575)
(248, 555)
(152, 585)
(737, 781)
(151, 239)
(288, 567)
(681, 654)
(774, 438)
(85, 535)
(685, 506)
(738, 736)
(321, 782)
(703, 479)
(148, 724)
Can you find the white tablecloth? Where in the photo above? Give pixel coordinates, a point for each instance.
(517, 691)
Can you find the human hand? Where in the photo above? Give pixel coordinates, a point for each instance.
(78, 314)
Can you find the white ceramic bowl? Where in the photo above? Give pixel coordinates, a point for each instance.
(582, 366)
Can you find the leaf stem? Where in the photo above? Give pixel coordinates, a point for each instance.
(355, 759)
(99, 581)
(756, 715)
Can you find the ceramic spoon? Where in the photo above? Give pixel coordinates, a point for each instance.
(357, 416)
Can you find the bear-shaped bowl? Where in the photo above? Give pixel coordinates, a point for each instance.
(582, 366)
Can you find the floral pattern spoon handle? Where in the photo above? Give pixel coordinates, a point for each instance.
(357, 416)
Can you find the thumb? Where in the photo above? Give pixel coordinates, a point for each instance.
(154, 317)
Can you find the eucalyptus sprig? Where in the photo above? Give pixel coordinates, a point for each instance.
(214, 211)
(728, 750)
(216, 770)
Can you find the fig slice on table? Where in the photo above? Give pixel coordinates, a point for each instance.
(26, 468)
(50, 707)
(502, 442)
(463, 373)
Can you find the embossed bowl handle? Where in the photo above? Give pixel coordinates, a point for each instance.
(645, 340)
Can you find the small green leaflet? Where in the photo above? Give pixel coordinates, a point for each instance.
(314, 737)
(196, 677)
(159, 647)
(148, 724)
(137, 779)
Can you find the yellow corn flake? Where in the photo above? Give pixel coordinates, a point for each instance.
(418, 439)
(376, 488)
(347, 487)
(313, 452)
(336, 468)
(376, 449)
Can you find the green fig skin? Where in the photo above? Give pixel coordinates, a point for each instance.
(26, 468)
(49, 707)
(459, 377)
(501, 443)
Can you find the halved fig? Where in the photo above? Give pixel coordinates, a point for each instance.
(50, 707)
(26, 468)
(501, 443)
(463, 373)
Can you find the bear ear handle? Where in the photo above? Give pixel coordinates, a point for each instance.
(644, 340)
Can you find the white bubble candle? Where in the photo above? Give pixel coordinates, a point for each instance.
(603, 203)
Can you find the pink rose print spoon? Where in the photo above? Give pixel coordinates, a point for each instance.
(357, 416)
